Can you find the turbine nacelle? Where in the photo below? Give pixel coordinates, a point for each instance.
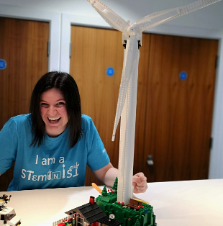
(133, 29)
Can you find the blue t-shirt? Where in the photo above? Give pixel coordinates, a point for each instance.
(53, 164)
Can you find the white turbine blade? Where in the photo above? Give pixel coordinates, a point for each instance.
(158, 18)
(130, 63)
(109, 16)
(154, 15)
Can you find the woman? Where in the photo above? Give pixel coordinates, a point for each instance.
(52, 145)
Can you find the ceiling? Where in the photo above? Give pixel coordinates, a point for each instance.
(210, 17)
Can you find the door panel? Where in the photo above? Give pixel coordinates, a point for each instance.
(23, 45)
(141, 104)
(93, 51)
(179, 112)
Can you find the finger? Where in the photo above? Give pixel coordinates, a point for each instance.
(140, 189)
(140, 185)
(139, 178)
(143, 184)
(136, 191)
(140, 174)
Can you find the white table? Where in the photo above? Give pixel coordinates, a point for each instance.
(182, 203)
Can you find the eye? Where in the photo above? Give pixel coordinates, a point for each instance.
(43, 104)
(60, 103)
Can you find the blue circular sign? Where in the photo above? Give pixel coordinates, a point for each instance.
(110, 71)
(183, 75)
(3, 64)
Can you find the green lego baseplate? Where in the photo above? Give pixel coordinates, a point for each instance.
(128, 214)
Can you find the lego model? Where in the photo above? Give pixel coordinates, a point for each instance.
(126, 107)
(7, 214)
(107, 211)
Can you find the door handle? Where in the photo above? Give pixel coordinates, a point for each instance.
(150, 160)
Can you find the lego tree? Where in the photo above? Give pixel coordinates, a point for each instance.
(115, 185)
(104, 191)
(137, 223)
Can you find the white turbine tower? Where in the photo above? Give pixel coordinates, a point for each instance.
(126, 107)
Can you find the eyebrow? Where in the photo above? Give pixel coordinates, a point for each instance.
(56, 100)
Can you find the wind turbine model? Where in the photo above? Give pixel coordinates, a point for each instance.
(126, 107)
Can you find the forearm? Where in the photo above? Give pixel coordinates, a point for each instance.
(110, 176)
(107, 174)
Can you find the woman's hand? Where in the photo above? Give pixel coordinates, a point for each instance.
(139, 182)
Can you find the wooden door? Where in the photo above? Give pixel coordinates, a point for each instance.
(23, 45)
(93, 51)
(179, 112)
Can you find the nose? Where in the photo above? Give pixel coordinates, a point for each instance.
(52, 111)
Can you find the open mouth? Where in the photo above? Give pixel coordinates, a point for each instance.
(54, 120)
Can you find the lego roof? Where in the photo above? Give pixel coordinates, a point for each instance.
(93, 213)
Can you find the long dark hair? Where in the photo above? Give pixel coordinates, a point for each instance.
(67, 85)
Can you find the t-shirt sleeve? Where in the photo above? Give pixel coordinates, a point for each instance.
(97, 155)
(8, 145)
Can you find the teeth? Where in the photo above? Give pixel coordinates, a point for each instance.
(54, 118)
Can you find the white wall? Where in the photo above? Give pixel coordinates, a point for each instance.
(216, 158)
